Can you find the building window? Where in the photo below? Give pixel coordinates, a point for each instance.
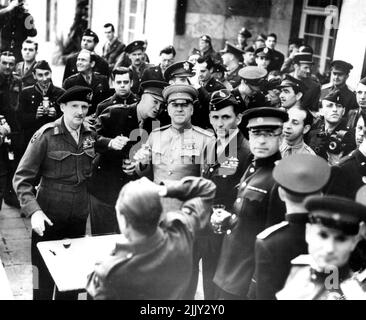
(134, 23)
(319, 29)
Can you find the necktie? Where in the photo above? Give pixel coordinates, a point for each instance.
(75, 135)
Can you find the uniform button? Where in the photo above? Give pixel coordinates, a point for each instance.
(224, 176)
(252, 170)
(170, 173)
(238, 200)
(244, 184)
(129, 256)
(364, 180)
(211, 170)
(363, 164)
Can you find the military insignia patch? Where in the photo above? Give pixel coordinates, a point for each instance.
(88, 143)
(229, 167)
(90, 96)
(186, 66)
(35, 137)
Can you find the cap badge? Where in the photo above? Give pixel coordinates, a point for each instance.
(260, 120)
(136, 44)
(265, 50)
(336, 217)
(204, 38)
(186, 66)
(222, 94)
(90, 96)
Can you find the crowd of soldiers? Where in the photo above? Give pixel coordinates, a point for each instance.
(250, 167)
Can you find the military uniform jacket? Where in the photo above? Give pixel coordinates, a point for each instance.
(176, 153)
(277, 61)
(274, 249)
(233, 78)
(304, 283)
(112, 53)
(16, 26)
(101, 66)
(348, 176)
(310, 99)
(347, 97)
(27, 77)
(53, 155)
(256, 210)
(227, 168)
(116, 100)
(213, 85)
(153, 73)
(137, 76)
(160, 266)
(30, 99)
(108, 177)
(352, 118)
(99, 85)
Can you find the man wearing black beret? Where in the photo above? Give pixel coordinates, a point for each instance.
(232, 58)
(61, 153)
(89, 41)
(340, 71)
(256, 207)
(243, 35)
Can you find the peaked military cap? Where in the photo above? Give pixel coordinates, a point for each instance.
(90, 33)
(206, 38)
(245, 33)
(179, 69)
(290, 81)
(341, 65)
(302, 174)
(334, 96)
(230, 48)
(264, 52)
(253, 75)
(249, 49)
(303, 57)
(261, 37)
(180, 92)
(77, 93)
(155, 88)
(135, 45)
(221, 99)
(265, 117)
(336, 212)
(43, 65)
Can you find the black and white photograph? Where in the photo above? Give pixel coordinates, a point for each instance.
(186, 151)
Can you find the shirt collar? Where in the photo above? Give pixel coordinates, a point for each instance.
(268, 161)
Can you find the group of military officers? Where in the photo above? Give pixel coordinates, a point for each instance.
(246, 197)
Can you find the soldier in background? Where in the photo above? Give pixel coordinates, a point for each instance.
(243, 35)
(277, 57)
(122, 83)
(86, 77)
(206, 49)
(204, 68)
(340, 71)
(38, 103)
(332, 235)
(16, 25)
(298, 177)
(231, 58)
(89, 41)
(248, 56)
(113, 48)
(354, 114)
(25, 68)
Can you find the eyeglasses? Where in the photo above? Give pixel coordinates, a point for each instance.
(264, 133)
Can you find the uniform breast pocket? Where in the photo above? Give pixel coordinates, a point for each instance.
(253, 200)
(88, 160)
(158, 157)
(58, 162)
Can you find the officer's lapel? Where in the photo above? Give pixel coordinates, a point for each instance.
(67, 135)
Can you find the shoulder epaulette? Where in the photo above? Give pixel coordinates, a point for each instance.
(302, 260)
(42, 130)
(106, 268)
(327, 86)
(203, 131)
(162, 128)
(266, 233)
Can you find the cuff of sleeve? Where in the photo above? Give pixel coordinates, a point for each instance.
(31, 208)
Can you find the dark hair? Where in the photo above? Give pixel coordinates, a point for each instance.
(93, 56)
(208, 60)
(107, 25)
(168, 50)
(309, 118)
(272, 35)
(122, 70)
(306, 49)
(30, 41)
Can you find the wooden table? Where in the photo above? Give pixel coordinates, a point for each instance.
(5, 290)
(70, 267)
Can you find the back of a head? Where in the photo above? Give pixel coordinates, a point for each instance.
(141, 206)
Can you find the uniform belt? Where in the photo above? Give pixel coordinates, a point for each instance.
(62, 186)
